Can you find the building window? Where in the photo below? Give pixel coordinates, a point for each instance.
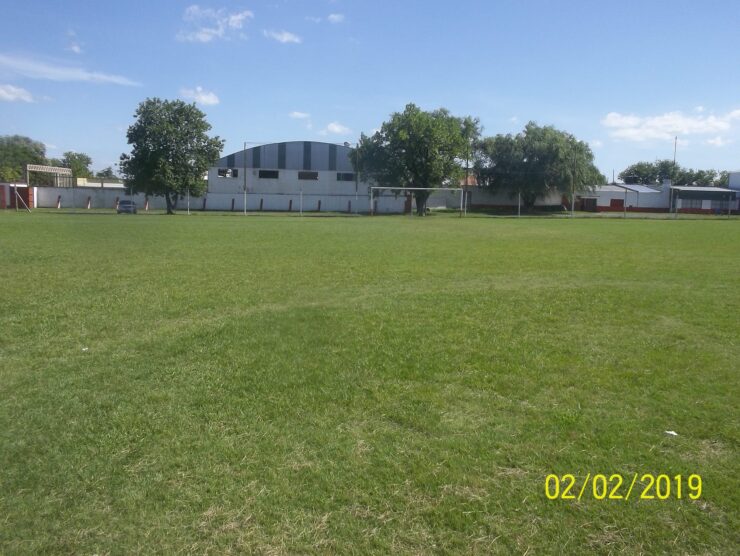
(269, 174)
(345, 176)
(308, 175)
(228, 173)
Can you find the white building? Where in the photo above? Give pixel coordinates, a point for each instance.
(307, 176)
(292, 176)
(666, 198)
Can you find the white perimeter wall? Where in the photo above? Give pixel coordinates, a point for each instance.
(659, 199)
(77, 197)
(484, 197)
(47, 197)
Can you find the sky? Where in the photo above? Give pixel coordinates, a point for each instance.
(627, 77)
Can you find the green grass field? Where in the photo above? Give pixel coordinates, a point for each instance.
(214, 384)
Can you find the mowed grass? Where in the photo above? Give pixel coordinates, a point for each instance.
(215, 384)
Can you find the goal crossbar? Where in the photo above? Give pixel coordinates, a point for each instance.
(385, 188)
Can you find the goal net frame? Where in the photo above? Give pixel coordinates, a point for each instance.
(401, 189)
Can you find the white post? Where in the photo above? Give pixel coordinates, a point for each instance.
(573, 202)
(519, 205)
(244, 169)
(301, 209)
(624, 203)
(462, 202)
(188, 201)
(371, 201)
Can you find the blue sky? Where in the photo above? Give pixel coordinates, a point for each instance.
(624, 76)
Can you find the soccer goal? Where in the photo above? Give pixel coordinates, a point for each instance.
(410, 189)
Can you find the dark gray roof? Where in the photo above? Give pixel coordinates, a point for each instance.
(292, 155)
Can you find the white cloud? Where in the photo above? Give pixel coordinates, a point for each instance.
(74, 45)
(699, 109)
(514, 119)
(313, 19)
(666, 126)
(10, 93)
(335, 18)
(206, 24)
(718, 141)
(284, 37)
(335, 128)
(41, 70)
(299, 115)
(596, 143)
(200, 96)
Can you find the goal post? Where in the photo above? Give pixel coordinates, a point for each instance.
(431, 189)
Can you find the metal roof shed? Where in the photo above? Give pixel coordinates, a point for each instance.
(709, 193)
(703, 193)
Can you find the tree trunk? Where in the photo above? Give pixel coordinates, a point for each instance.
(421, 202)
(171, 201)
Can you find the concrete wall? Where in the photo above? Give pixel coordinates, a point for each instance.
(634, 200)
(286, 183)
(484, 198)
(78, 197)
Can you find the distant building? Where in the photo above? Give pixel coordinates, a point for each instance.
(306, 176)
(735, 180)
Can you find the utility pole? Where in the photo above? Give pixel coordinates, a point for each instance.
(675, 145)
(244, 169)
(573, 188)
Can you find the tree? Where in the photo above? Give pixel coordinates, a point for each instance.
(641, 173)
(416, 149)
(15, 152)
(653, 173)
(171, 150)
(723, 179)
(535, 162)
(79, 163)
(106, 174)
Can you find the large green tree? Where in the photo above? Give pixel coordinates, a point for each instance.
(171, 150)
(107, 173)
(641, 173)
(416, 148)
(79, 163)
(653, 173)
(15, 152)
(534, 162)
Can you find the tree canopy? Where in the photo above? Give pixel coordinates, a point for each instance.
(79, 163)
(171, 150)
(416, 148)
(15, 152)
(653, 173)
(534, 162)
(106, 173)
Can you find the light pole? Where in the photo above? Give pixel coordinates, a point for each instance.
(244, 169)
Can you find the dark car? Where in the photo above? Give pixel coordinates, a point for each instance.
(126, 207)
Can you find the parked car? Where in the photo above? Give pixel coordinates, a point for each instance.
(126, 207)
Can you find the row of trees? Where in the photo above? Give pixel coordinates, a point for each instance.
(416, 149)
(653, 173)
(16, 151)
(171, 151)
